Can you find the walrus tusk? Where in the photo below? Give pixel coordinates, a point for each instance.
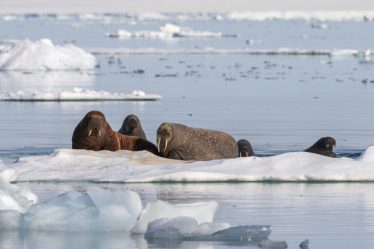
(90, 132)
(158, 145)
(166, 144)
(246, 153)
(99, 133)
(328, 145)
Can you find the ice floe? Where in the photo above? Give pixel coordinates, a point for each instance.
(94, 210)
(128, 166)
(43, 55)
(168, 31)
(247, 51)
(13, 197)
(104, 210)
(334, 15)
(78, 94)
(202, 212)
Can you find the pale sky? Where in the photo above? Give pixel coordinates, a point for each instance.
(83, 6)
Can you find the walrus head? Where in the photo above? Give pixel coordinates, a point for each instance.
(164, 136)
(130, 123)
(326, 143)
(323, 146)
(90, 133)
(245, 148)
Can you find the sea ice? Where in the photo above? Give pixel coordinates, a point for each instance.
(166, 32)
(77, 94)
(187, 228)
(94, 210)
(43, 55)
(13, 197)
(201, 211)
(142, 166)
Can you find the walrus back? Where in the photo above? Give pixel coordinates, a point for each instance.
(204, 144)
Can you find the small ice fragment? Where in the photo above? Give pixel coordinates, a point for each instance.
(270, 244)
(304, 244)
(242, 233)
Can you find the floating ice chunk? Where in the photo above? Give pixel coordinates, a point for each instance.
(43, 55)
(270, 244)
(13, 197)
(168, 31)
(301, 15)
(187, 228)
(201, 211)
(181, 228)
(78, 94)
(344, 52)
(95, 210)
(241, 234)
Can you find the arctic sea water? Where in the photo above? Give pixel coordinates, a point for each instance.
(281, 83)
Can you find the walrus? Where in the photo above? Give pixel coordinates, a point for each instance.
(245, 148)
(181, 142)
(94, 133)
(131, 126)
(323, 147)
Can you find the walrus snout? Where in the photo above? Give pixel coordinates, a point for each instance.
(94, 132)
(132, 121)
(330, 142)
(164, 135)
(245, 148)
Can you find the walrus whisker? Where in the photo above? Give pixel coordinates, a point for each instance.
(90, 132)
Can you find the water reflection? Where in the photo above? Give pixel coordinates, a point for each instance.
(99, 240)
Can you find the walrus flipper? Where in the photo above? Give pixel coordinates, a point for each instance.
(175, 154)
(142, 144)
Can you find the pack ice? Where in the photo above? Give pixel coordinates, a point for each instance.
(103, 210)
(43, 55)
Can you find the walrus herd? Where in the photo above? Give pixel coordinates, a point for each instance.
(175, 141)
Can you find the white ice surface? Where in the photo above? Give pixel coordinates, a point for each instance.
(77, 94)
(13, 197)
(167, 31)
(94, 210)
(43, 55)
(128, 166)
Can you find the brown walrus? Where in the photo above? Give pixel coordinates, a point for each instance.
(245, 148)
(131, 126)
(323, 147)
(94, 133)
(181, 142)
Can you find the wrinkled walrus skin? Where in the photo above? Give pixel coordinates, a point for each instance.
(94, 133)
(323, 147)
(177, 141)
(131, 126)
